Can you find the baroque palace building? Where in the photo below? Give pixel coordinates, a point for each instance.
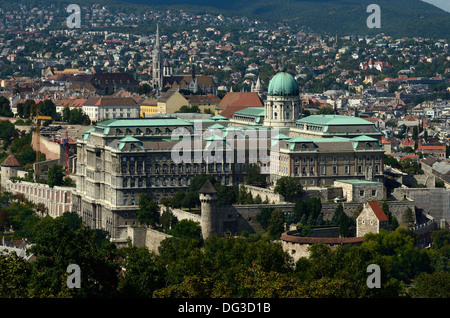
(120, 159)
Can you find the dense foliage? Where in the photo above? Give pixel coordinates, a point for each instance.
(247, 266)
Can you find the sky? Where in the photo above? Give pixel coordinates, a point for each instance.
(443, 4)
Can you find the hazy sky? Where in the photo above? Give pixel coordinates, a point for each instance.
(443, 4)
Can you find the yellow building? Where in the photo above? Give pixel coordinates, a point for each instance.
(148, 107)
(170, 102)
(203, 102)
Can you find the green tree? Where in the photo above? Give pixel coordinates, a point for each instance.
(434, 285)
(409, 216)
(168, 220)
(59, 242)
(199, 180)
(254, 176)
(177, 199)
(191, 200)
(263, 217)
(143, 275)
(187, 229)
(441, 238)
(148, 213)
(56, 175)
(66, 114)
(288, 187)
(276, 223)
(5, 107)
(14, 276)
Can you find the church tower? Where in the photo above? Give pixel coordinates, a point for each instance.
(283, 105)
(167, 70)
(157, 81)
(257, 88)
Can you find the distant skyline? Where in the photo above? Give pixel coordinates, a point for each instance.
(443, 4)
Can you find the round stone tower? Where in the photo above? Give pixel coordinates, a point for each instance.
(9, 168)
(208, 199)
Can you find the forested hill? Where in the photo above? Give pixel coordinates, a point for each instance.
(399, 18)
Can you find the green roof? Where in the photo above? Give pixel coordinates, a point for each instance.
(334, 120)
(216, 126)
(364, 138)
(87, 133)
(299, 139)
(218, 117)
(283, 84)
(129, 139)
(281, 137)
(142, 122)
(251, 111)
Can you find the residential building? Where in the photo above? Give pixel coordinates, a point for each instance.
(438, 151)
(100, 108)
(170, 102)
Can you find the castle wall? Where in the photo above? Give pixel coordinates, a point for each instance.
(52, 150)
(57, 199)
(265, 193)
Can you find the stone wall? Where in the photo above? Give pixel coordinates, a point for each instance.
(265, 193)
(57, 199)
(435, 202)
(142, 236)
(410, 180)
(324, 194)
(52, 150)
(181, 215)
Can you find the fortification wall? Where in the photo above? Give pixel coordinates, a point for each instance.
(435, 202)
(52, 150)
(57, 199)
(181, 215)
(142, 236)
(264, 193)
(410, 180)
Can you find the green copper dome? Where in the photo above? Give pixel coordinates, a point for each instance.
(283, 84)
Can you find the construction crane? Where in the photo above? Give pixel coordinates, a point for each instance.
(38, 118)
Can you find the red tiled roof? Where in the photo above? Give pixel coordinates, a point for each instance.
(110, 101)
(235, 101)
(432, 147)
(376, 208)
(11, 161)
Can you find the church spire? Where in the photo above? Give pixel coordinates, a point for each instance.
(157, 81)
(157, 35)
